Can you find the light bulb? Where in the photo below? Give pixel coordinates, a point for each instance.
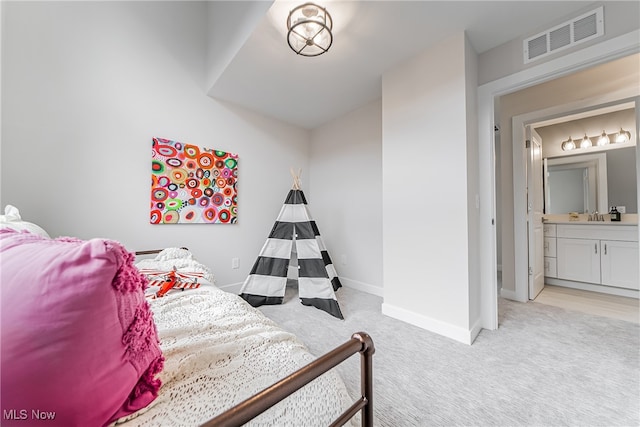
(586, 142)
(603, 140)
(568, 145)
(623, 136)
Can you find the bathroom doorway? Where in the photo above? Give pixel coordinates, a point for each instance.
(511, 205)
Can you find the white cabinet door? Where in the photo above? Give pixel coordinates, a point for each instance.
(578, 259)
(619, 263)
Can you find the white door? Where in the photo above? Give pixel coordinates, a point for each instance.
(535, 203)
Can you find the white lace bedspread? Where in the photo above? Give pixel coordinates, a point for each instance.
(219, 351)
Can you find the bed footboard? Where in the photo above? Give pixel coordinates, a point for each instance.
(360, 342)
(154, 251)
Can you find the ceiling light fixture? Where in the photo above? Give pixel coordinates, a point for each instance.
(568, 145)
(604, 139)
(623, 136)
(586, 142)
(309, 28)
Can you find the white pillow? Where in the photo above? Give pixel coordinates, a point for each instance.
(12, 220)
(174, 253)
(180, 259)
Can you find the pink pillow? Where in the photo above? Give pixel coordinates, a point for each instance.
(78, 338)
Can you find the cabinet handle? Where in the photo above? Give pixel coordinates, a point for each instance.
(605, 248)
(595, 246)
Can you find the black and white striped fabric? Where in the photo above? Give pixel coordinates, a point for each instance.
(294, 232)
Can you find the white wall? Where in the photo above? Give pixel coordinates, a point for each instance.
(86, 85)
(345, 197)
(230, 23)
(622, 178)
(620, 17)
(426, 266)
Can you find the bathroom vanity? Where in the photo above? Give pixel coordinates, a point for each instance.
(591, 255)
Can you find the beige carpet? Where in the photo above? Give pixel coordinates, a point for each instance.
(544, 366)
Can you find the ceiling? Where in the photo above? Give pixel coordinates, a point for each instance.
(260, 71)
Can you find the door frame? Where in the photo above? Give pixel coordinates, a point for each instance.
(605, 51)
(521, 248)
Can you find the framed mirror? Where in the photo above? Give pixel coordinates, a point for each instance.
(576, 184)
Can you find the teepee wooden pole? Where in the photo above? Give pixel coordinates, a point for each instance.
(296, 178)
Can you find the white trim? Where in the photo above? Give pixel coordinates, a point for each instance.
(605, 51)
(509, 294)
(487, 214)
(475, 330)
(637, 101)
(233, 288)
(436, 326)
(361, 286)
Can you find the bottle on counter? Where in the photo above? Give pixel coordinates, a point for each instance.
(614, 214)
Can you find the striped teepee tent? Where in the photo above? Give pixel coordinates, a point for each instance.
(294, 234)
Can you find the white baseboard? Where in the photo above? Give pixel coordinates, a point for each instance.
(475, 330)
(233, 288)
(437, 326)
(450, 331)
(361, 286)
(508, 294)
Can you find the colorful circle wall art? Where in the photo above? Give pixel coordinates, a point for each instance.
(192, 184)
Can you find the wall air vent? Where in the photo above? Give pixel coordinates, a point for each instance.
(577, 30)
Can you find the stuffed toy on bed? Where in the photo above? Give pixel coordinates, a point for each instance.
(174, 269)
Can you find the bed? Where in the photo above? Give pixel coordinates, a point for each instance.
(210, 337)
(215, 360)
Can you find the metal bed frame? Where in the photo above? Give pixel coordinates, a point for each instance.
(360, 342)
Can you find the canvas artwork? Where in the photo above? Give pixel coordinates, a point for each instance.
(191, 184)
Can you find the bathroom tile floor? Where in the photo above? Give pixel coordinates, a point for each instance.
(613, 306)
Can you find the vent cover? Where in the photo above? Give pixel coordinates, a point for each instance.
(580, 29)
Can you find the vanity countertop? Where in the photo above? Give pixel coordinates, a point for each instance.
(627, 219)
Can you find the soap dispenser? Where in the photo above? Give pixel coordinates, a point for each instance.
(614, 214)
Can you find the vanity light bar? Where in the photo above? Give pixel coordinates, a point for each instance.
(602, 140)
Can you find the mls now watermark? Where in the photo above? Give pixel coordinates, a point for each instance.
(24, 414)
